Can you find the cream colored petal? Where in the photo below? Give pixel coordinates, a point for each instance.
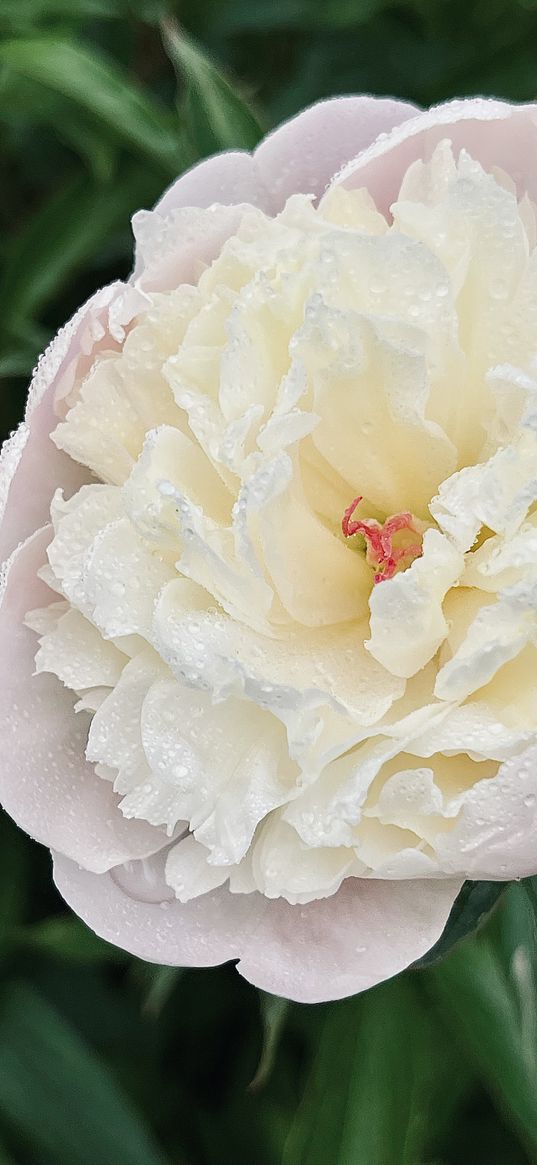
(76, 524)
(494, 837)
(284, 867)
(170, 455)
(302, 669)
(76, 652)
(498, 633)
(188, 872)
(115, 736)
(407, 621)
(123, 577)
(370, 382)
(317, 577)
(479, 730)
(209, 559)
(496, 493)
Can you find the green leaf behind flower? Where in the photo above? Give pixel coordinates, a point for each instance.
(471, 908)
(96, 84)
(218, 117)
(63, 1101)
(371, 1087)
(487, 991)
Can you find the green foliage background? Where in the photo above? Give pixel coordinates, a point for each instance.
(105, 1060)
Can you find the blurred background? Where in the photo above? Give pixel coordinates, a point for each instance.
(105, 1060)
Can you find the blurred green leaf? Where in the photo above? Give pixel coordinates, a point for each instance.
(160, 984)
(490, 1004)
(371, 1084)
(274, 1012)
(14, 861)
(265, 15)
(23, 100)
(99, 86)
(219, 119)
(62, 236)
(21, 342)
(471, 908)
(16, 14)
(5, 1158)
(16, 362)
(66, 937)
(58, 1095)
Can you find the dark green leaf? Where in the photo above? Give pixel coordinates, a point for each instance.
(5, 1157)
(66, 937)
(22, 99)
(62, 236)
(161, 981)
(266, 15)
(16, 14)
(219, 118)
(16, 362)
(58, 1095)
(97, 85)
(371, 1085)
(274, 1012)
(490, 1003)
(470, 909)
(14, 861)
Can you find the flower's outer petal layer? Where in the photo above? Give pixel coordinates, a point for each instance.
(338, 946)
(29, 455)
(328, 949)
(300, 156)
(495, 133)
(135, 909)
(46, 784)
(303, 154)
(227, 178)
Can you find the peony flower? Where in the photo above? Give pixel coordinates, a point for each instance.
(269, 609)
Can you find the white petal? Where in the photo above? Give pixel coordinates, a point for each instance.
(188, 871)
(123, 578)
(407, 621)
(284, 867)
(76, 652)
(497, 634)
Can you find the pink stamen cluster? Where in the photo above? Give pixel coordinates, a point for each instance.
(381, 553)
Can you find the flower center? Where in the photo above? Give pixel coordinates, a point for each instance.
(390, 547)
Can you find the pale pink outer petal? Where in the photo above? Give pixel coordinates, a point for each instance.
(328, 949)
(495, 133)
(366, 933)
(227, 178)
(303, 154)
(299, 157)
(31, 467)
(46, 785)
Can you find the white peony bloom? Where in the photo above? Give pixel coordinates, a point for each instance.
(293, 701)
(289, 578)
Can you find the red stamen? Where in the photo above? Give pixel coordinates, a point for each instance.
(381, 553)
